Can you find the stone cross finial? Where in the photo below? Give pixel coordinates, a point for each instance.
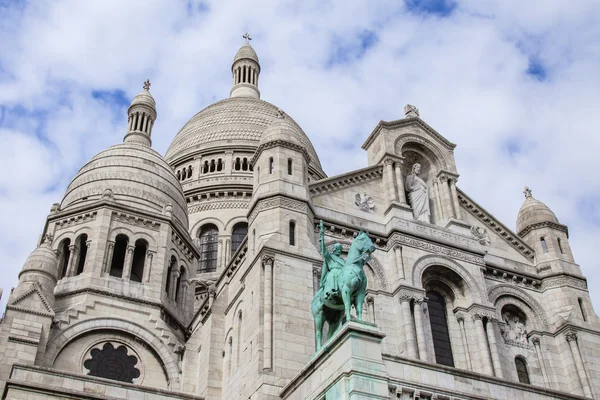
(280, 114)
(147, 84)
(527, 192)
(247, 37)
(410, 111)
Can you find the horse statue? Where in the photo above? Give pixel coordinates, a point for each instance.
(343, 283)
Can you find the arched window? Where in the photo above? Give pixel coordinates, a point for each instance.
(206, 168)
(81, 253)
(239, 232)
(118, 260)
(139, 258)
(172, 265)
(178, 286)
(245, 164)
(439, 329)
(522, 373)
(237, 165)
(64, 255)
(209, 239)
(180, 295)
(292, 233)
(219, 165)
(544, 245)
(271, 165)
(289, 166)
(183, 174)
(189, 171)
(178, 175)
(560, 248)
(212, 165)
(582, 309)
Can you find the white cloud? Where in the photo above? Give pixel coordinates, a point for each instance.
(467, 73)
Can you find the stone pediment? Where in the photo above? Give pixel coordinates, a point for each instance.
(33, 301)
(406, 122)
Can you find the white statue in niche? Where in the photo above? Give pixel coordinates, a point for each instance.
(515, 331)
(418, 194)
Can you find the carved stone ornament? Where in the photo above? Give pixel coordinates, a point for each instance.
(111, 363)
(47, 239)
(55, 208)
(481, 235)
(168, 209)
(364, 202)
(108, 195)
(267, 260)
(571, 336)
(515, 331)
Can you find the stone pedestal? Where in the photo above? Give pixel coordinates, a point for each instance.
(348, 367)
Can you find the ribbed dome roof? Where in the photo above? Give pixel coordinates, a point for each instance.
(232, 122)
(246, 51)
(532, 212)
(137, 176)
(42, 259)
(145, 98)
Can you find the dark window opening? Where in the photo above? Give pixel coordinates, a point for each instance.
(238, 165)
(118, 259)
(115, 364)
(213, 166)
(582, 309)
(240, 230)
(271, 165)
(82, 246)
(289, 166)
(544, 245)
(64, 257)
(560, 248)
(245, 164)
(169, 272)
(139, 258)
(439, 329)
(209, 242)
(178, 287)
(206, 168)
(292, 233)
(522, 373)
(219, 165)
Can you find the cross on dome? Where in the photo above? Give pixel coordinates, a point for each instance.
(247, 37)
(147, 84)
(527, 192)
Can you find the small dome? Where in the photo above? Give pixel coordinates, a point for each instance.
(246, 52)
(132, 174)
(42, 259)
(533, 211)
(143, 98)
(280, 129)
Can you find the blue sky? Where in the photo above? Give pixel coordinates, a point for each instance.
(517, 92)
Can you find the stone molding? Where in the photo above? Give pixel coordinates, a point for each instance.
(436, 249)
(558, 281)
(134, 220)
(235, 298)
(571, 336)
(238, 258)
(218, 205)
(496, 226)
(279, 143)
(385, 125)
(15, 339)
(346, 233)
(13, 305)
(495, 292)
(346, 180)
(182, 246)
(437, 234)
(512, 278)
(75, 220)
(277, 201)
(545, 224)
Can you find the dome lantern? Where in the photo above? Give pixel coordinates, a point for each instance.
(245, 70)
(141, 117)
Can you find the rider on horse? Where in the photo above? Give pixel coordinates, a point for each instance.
(332, 266)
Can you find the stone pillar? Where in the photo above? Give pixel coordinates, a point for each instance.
(371, 308)
(72, 256)
(572, 340)
(409, 329)
(491, 334)
(227, 250)
(446, 198)
(267, 262)
(538, 352)
(438, 200)
(148, 266)
(145, 123)
(483, 345)
(399, 260)
(390, 190)
(455, 197)
(422, 342)
(220, 254)
(173, 282)
(400, 183)
(87, 261)
(465, 341)
(128, 262)
(109, 255)
(228, 162)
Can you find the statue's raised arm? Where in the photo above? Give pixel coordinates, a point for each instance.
(322, 238)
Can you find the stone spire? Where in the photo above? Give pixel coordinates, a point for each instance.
(246, 70)
(141, 117)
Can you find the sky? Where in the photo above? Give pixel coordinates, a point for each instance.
(514, 84)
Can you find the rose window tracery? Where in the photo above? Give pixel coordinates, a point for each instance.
(111, 363)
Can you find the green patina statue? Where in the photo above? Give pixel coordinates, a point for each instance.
(343, 283)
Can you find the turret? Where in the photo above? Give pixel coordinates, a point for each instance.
(141, 117)
(245, 70)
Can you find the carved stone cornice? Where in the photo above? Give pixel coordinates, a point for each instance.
(182, 246)
(75, 220)
(563, 280)
(571, 336)
(545, 224)
(536, 340)
(346, 180)
(278, 202)
(348, 233)
(280, 143)
(135, 220)
(512, 277)
(267, 260)
(496, 226)
(384, 125)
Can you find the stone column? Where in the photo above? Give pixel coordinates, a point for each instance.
(455, 197)
(128, 262)
(228, 162)
(227, 250)
(145, 123)
(572, 340)
(409, 329)
(399, 260)
(148, 266)
(483, 345)
(491, 334)
(438, 200)
(371, 308)
(421, 340)
(400, 183)
(87, 255)
(390, 189)
(173, 283)
(220, 255)
(538, 352)
(267, 263)
(72, 263)
(446, 198)
(109, 255)
(465, 341)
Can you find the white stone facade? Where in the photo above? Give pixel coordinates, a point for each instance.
(192, 276)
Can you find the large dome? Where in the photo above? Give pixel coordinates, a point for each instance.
(230, 123)
(136, 174)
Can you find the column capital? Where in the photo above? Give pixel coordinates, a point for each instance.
(130, 248)
(88, 243)
(571, 336)
(388, 161)
(267, 260)
(479, 315)
(72, 247)
(536, 340)
(370, 300)
(460, 317)
(405, 297)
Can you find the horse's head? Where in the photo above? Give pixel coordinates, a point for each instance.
(363, 242)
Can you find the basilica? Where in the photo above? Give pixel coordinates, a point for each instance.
(191, 275)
